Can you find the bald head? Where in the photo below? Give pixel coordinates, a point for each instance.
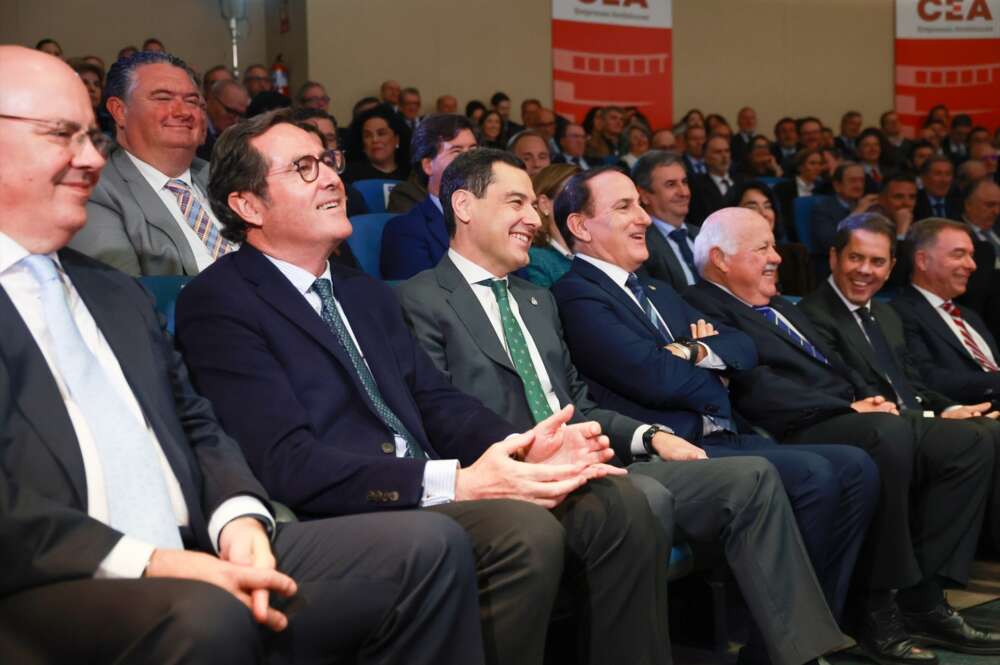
(735, 248)
(47, 164)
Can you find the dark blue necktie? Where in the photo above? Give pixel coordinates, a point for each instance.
(680, 236)
(632, 282)
(772, 317)
(887, 361)
(937, 204)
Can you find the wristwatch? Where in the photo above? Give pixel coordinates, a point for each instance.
(692, 347)
(647, 437)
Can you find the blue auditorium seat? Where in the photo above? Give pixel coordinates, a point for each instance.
(769, 180)
(803, 221)
(165, 290)
(375, 193)
(366, 240)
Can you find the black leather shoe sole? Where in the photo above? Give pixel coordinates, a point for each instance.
(952, 645)
(886, 659)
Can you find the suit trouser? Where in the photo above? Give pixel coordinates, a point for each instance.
(991, 526)
(833, 491)
(935, 475)
(741, 503)
(385, 589)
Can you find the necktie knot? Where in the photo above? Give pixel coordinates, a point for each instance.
(951, 308)
(632, 282)
(323, 288)
(864, 313)
(41, 267)
(679, 235)
(762, 309)
(177, 186)
(499, 287)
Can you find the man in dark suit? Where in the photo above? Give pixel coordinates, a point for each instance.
(149, 214)
(850, 132)
(786, 142)
(802, 392)
(477, 334)
(665, 195)
(417, 240)
(937, 197)
(694, 150)
(746, 124)
(340, 411)
(709, 190)
(869, 336)
(131, 528)
(849, 197)
(981, 211)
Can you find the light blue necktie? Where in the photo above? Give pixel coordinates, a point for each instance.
(138, 500)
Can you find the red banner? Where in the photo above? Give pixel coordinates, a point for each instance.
(948, 52)
(612, 52)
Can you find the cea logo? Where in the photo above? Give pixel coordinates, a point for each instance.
(954, 10)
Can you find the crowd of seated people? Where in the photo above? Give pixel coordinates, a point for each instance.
(581, 327)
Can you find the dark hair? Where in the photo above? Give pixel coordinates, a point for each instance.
(524, 133)
(881, 118)
(872, 222)
(577, 197)
(473, 172)
(121, 76)
(239, 167)
(254, 66)
(896, 177)
(355, 139)
(364, 101)
(588, 119)
(935, 159)
(303, 114)
(152, 40)
(808, 118)
(498, 97)
(47, 40)
(499, 139)
(81, 67)
(925, 232)
(735, 195)
(970, 190)
(961, 120)
(849, 114)
(785, 121)
(410, 90)
(933, 109)
(267, 100)
(802, 155)
(431, 133)
(841, 170)
(474, 106)
(642, 171)
(301, 92)
(123, 50)
(716, 117)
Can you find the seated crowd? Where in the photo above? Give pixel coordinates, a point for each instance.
(582, 327)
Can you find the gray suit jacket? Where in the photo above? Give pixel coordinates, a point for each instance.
(450, 324)
(130, 228)
(662, 263)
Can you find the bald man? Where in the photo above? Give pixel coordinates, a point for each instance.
(934, 479)
(131, 528)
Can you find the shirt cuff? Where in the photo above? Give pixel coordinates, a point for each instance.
(711, 359)
(950, 408)
(929, 414)
(238, 506)
(439, 481)
(637, 448)
(126, 561)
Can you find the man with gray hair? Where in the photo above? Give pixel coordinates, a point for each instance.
(926, 525)
(226, 105)
(149, 214)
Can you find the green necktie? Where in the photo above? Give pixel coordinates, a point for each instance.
(518, 349)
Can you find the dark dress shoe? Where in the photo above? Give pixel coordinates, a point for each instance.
(882, 638)
(945, 627)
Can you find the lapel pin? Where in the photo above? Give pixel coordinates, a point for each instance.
(652, 288)
(534, 301)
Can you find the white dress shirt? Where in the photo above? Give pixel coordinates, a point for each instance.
(436, 201)
(439, 475)
(665, 228)
(722, 182)
(158, 181)
(473, 273)
(804, 188)
(559, 247)
(936, 301)
(128, 558)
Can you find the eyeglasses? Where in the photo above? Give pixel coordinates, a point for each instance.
(307, 166)
(70, 134)
(323, 99)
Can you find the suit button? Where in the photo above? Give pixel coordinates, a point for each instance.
(393, 496)
(388, 448)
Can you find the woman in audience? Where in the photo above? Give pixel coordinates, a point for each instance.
(694, 118)
(93, 79)
(597, 149)
(378, 146)
(871, 152)
(475, 110)
(49, 46)
(549, 256)
(712, 123)
(362, 105)
(760, 161)
(639, 139)
(794, 274)
(491, 129)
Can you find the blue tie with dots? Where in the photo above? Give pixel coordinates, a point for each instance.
(518, 350)
(632, 282)
(772, 316)
(331, 315)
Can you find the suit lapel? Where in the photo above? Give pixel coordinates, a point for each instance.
(934, 321)
(37, 395)
(537, 317)
(846, 322)
(153, 209)
(470, 312)
(593, 274)
(792, 315)
(435, 220)
(661, 252)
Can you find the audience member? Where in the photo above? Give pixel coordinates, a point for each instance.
(807, 169)
(922, 151)
(597, 150)
(939, 113)
(226, 105)
(379, 146)
(531, 148)
(868, 146)
(709, 189)
(981, 211)
(638, 140)
(500, 103)
(786, 142)
(409, 107)
(848, 197)
(475, 110)
(312, 95)
(49, 46)
(543, 121)
(418, 239)
(572, 140)
(614, 128)
(148, 215)
(694, 150)
(153, 45)
(900, 147)
(955, 145)
(491, 126)
(266, 101)
(969, 172)
(438, 305)
(212, 76)
(549, 256)
(926, 524)
(987, 154)
(938, 198)
(694, 118)
(362, 105)
(339, 411)
(665, 195)
(935, 132)
(257, 80)
(127, 52)
(850, 130)
(746, 123)
(758, 160)
(133, 529)
(528, 108)
(389, 93)
(446, 104)
(664, 139)
(93, 81)
(810, 133)
(896, 201)
(868, 336)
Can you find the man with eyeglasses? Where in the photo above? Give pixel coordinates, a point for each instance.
(148, 214)
(131, 528)
(257, 80)
(312, 95)
(227, 105)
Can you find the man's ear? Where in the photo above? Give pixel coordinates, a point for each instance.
(920, 259)
(462, 201)
(577, 225)
(717, 258)
(645, 198)
(425, 165)
(247, 207)
(116, 107)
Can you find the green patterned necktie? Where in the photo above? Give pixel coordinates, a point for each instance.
(331, 315)
(518, 350)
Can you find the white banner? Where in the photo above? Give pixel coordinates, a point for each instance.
(947, 19)
(635, 13)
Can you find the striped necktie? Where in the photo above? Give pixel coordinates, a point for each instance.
(632, 282)
(771, 315)
(967, 339)
(198, 219)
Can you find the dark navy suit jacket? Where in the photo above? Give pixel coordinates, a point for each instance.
(413, 242)
(284, 387)
(619, 351)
